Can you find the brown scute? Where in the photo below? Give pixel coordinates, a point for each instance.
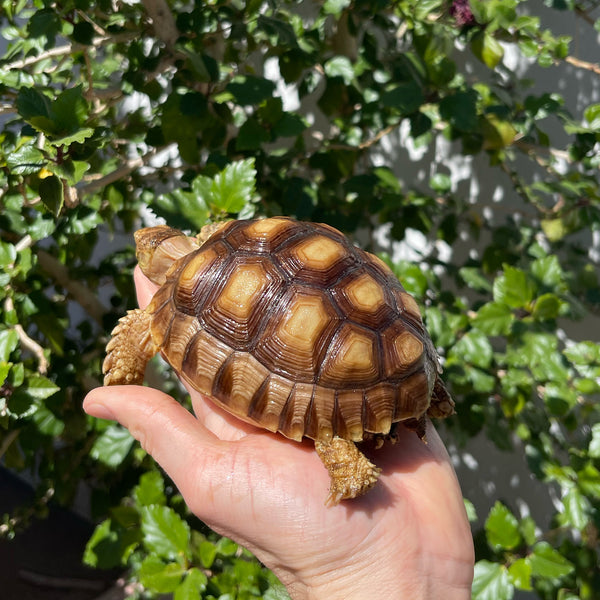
(363, 299)
(262, 236)
(319, 420)
(240, 301)
(204, 358)
(269, 401)
(348, 416)
(414, 397)
(317, 260)
(237, 382)
(179, 335)
(296, 335)
(289, 326)
(293, 418)
(402, 350)
(380, 402)
(352, 358)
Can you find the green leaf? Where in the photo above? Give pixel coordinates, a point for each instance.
(165, 532)
(546, 562)
(340, 66)
(9, 340)
(494, 319)
(527, 527)
(487, 49)
(471, 512)
(103, 535)
(594, 447)
(251, 136)
(207, 552)
(159, 577)
(502, 528)
(513, 288)
(4, 371)
(192, 586)
(150, 489)
(40, 387)
(547, 270)
(26, 160)
(78, 136)
(47, 423)
(491, 582)
(589, 480)
(520, 574)
(592, 116)
(289, 125)
(335, 7)
(112, 446)
(460, 110)
(69, 110)
(474, 348)
(233, 187)
(32, 103)
(546, 307)
(186, 210)
(405, 97)
(52, 194)
(111, 544)
(248, 89)
(577, 509)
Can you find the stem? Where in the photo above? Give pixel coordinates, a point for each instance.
(80, 293)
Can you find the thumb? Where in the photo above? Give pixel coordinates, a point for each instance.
(164, 428)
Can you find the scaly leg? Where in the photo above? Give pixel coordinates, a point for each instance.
(351, 472)
(129, 350)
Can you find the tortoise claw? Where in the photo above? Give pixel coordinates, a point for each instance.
(351, 472)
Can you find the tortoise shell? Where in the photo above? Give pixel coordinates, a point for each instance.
(289, 326)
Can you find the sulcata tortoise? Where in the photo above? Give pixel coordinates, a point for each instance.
(290, 327)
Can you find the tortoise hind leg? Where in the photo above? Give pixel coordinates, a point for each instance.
(442, 405)
(129, 350)
(351, 472)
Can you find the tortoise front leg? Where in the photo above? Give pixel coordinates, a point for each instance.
(351, 472)
(129, 350)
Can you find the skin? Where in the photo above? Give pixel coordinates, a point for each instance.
(407, 538)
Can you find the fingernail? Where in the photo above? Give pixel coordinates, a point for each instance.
(99, 410)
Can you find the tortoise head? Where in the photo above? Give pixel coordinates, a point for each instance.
(157, 248)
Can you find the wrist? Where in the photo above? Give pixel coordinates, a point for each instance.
(441, 578)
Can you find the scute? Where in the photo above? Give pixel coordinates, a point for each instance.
(291, 327)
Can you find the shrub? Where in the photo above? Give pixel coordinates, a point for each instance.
(241, 109)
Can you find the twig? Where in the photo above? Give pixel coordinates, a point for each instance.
(123, 171)
(582, 13)
(52, 581)
(27, 342)
(66, 49)
(379, 136)
(80, 293)
(163, 22)
(11, 436)
(583, 64)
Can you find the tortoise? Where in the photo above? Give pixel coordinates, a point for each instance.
(288, 326)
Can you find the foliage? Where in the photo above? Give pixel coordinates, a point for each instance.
(285, 108)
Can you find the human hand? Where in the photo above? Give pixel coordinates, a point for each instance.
(406, 538)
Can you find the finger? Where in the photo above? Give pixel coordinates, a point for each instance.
(164, 428)
(144, 288)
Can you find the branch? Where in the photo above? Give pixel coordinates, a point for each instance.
(583, 64)
(123, 171)
(163, 22)
(67, 49)
(79, 292)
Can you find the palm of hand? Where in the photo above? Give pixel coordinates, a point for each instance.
(408, 537)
